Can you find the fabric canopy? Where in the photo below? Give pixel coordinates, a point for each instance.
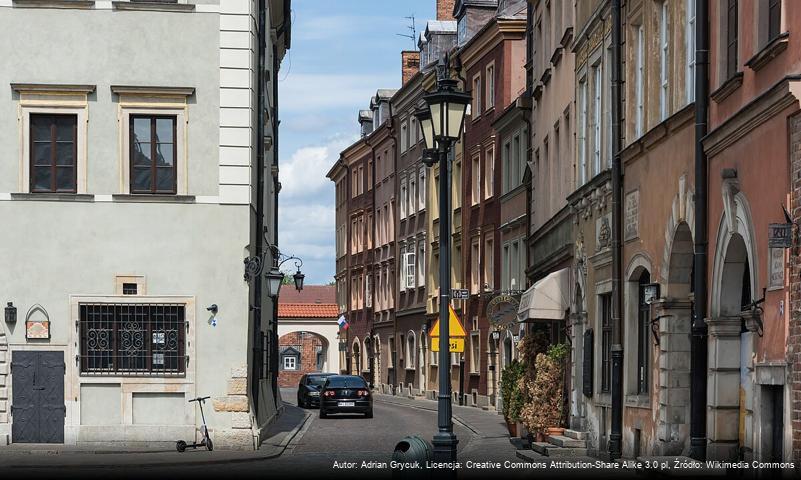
(548, 299)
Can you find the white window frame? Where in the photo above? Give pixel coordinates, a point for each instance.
(476, 96)
(639, 83)
(409, 266)
(412, 131)
(412, 207)
(421, 190)
(506, 166)
(421, 261)
(294, 362)
(596, 118)
(411, 350)
(488, 260)
(663, 61)
(689, 41)
(404, 143)
(582, 133)
(490, 94)
(404, 200)
(475, 179)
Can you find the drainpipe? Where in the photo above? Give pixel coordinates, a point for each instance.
(698, 345)
(257, 281)
(616, 436)
(527, 118)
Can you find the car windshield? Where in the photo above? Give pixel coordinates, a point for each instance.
(316, 380)
(345, 382)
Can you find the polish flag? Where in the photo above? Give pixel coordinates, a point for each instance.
(343, 324)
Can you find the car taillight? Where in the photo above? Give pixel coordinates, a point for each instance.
(328, 393)
(364, 393)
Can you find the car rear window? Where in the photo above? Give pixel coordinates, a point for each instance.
(345, 382)
(318, 380)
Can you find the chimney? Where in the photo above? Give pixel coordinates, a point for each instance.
(410, 60)
(445, 9)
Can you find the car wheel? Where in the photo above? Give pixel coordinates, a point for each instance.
(323, 414)
(369, 414)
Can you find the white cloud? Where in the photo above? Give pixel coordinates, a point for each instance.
(310, 92)
(304, 174)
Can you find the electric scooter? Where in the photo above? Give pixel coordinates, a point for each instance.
(181, 446)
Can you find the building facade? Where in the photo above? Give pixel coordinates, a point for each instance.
(128, 166)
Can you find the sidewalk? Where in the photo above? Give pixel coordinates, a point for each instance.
(491, 441)
(279, 433)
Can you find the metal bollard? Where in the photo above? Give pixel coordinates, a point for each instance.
(411, 456)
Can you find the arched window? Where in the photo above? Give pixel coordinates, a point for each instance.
(411, 349)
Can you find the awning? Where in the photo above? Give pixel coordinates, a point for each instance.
(548, 299)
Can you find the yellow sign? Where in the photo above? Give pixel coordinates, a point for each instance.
(456, 345)
(455, 328)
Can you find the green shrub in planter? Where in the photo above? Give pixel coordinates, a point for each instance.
(510, 390)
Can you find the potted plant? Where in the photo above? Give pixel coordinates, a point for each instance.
(543, 412)
(512, 395)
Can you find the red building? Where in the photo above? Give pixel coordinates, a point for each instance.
(307, 325)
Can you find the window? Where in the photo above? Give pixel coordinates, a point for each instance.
(476, 108)
(457, 188)
(475, 183)
(596, 119)
(506, 184)
(409, 266)
(517, 161)
(475, 352)
(774, 18)
(412, 208)
(369, 174)
(132, 339)
(663, 61)
(413, 130)
(731, 38)
(404, 140)
(474, 259)
(643, 335)
(516, 266)
(489, 174)
(54, 153)
(489, 267)
(490, 86)
(421, 190)
(153, 154)
(290, 363)
(607, 105)
(421, 263)
(129, 288)
(639, 87)
(582, 133)
(411, 349)
(606, 342)
(392, 352)
(690, 44)
(404, 200)
(368, 294)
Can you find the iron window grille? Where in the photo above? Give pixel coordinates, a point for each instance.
(132, 339)
(606, 343)
(53, 153)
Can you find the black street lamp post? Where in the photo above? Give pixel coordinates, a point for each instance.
(441, 122)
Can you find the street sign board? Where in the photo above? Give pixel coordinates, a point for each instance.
(455, 345)
(780, 235)
(455, 328)
(460, 294)
(502, 311)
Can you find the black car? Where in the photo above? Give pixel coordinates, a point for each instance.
(346, 394)
(309, 389)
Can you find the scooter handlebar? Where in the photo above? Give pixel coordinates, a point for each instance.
(199, 399)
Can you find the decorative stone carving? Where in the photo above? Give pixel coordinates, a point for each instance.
(730, 187)
(631, 227)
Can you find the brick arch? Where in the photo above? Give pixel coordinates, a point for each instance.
(326, 329)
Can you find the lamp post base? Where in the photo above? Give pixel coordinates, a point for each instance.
(445, 447)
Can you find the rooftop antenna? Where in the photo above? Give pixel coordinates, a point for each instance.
(413, 35)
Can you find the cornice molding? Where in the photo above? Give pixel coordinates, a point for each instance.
(44, 88)
(76, 4)
(159, 91)
(153, 6)
(752, 115)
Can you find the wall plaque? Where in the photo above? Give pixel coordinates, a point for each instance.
(776, 268)
(37, 329)
(631, 226)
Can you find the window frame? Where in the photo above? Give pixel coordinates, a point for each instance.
(597, 74)
(732, 41)
(643, 335)
(489, 172)
(689, 42)
(664, 65)
(476, 92)
(53, 142)
(294, 362)
(581, 135)
(490, 86)
(605, 314)
(153, 146)
(639, 83)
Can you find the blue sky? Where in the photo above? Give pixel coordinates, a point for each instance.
(342, 52)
